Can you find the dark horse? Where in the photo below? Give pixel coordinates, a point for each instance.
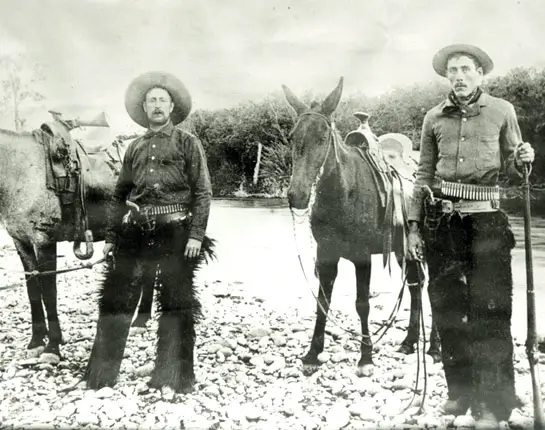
(346, 220)
(31, 214)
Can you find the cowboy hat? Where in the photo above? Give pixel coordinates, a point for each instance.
(440, 59)
(138, 88)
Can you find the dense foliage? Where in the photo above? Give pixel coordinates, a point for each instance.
(231, 136)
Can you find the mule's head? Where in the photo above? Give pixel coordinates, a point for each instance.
(310, 141)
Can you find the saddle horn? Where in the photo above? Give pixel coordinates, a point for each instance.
(363, 118)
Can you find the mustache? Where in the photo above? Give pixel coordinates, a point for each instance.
(158, 111)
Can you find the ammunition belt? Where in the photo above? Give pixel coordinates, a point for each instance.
(468, 191)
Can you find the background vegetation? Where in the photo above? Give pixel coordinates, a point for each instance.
(234, 137)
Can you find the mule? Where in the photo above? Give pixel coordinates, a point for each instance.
(31, 215)
(346, 219)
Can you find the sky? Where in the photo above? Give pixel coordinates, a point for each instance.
(227, 52)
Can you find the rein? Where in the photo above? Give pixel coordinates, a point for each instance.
(37, 273)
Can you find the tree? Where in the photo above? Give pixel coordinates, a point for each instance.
(18, 79)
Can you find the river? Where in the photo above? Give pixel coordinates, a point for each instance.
(258, 246)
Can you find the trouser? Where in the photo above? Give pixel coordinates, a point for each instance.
(470, 290)
(136, 260)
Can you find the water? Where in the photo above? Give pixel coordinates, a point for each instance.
(259, 248)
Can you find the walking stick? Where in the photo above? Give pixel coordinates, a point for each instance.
(531, 338)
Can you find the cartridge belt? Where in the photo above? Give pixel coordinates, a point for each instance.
(467, 191)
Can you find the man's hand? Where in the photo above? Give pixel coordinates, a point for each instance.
(415, 244)
(108, 248)
(192, 248)
(524, 154)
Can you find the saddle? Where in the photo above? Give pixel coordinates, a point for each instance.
(67, 164)
(391, 185)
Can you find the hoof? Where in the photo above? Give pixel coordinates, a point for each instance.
(185, 386)
(35, 352)
(52, 349)
(365, 370)
(310, 359)
(36, 342)
(436, 355)
(406, 348)
(310, 369)
(50, 358)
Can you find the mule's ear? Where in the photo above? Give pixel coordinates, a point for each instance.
(298, 106)
(332, 100)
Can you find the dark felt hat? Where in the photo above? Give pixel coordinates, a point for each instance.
(441, 58)
(136, 92)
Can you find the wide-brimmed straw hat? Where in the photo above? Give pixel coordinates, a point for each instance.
(397, 141)
(441, 58)
(136, 92)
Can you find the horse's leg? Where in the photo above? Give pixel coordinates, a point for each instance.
(363, 279)
(415, 283)
(146, 304)
(117, 302)
(47, 261)
(415, 290)
(34, 291)
(326, 269)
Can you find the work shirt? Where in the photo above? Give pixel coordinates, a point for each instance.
(469, 145)
(161, 168)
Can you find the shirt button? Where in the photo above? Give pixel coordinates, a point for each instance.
(151, 170)
(153, 146)
(461, 160)
(462, 138)
(153, 157)
(464, 119)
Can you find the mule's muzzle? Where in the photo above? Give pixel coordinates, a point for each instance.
(298, 200)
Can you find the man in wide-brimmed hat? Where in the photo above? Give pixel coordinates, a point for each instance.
(467, 141)
(165, 181)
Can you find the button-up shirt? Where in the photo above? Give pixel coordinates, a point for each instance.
(469, 145)
(160, 168)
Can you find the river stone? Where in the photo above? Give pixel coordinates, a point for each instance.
(112, 411)
(279, 340)
(104, 393)
(323, 357)
(226, 351)
(464, 421)
(144, 370)
(259, 332)
(337, 417)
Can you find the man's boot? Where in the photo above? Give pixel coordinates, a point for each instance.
(486, 419)
(457, 406)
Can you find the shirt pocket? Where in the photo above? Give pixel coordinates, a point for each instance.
(487, 152)
(172, 169)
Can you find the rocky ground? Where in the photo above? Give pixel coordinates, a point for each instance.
(249, 375)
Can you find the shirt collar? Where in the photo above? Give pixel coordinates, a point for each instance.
(165, 131)
(472, 109)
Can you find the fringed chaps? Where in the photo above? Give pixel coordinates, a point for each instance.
(469, 262)
(134, 266)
